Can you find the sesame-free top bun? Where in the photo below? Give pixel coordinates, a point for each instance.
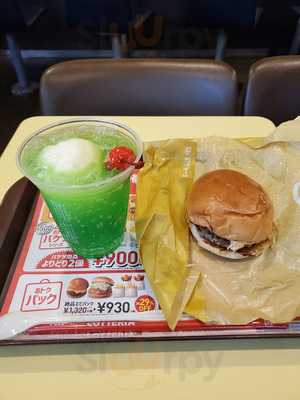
(232, 206)
(78, 284)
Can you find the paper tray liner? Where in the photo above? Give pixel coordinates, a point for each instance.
(207, 287)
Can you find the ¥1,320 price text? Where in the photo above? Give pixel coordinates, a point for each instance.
(105, 307)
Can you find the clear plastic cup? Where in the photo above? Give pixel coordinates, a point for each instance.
(91, 216)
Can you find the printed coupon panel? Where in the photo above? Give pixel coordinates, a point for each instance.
(87, 294)
(50, 277)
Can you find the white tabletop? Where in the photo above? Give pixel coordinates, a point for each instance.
(230, 369)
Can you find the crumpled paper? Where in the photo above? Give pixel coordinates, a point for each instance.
(162, 189)
(188, 279)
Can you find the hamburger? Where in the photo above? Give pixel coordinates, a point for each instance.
(230, 214)
(77, 287)
(100, 287)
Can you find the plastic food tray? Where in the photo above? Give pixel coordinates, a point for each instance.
(16, 215)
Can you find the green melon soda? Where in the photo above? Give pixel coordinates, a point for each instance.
(67, 162)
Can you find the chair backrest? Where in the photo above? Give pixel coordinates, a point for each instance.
(139, 87)
(273, 89)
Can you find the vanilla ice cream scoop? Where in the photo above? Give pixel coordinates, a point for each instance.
(71, 155)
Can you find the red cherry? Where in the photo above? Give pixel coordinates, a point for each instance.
(121, 158)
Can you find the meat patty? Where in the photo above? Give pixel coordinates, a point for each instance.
(212, 238)
(249, 250)
(217, 241)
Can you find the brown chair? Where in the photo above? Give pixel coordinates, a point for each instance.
(139, 87)
(273, 89)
